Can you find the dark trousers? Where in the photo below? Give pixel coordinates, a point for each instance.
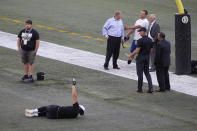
(50, 111)
(142, 65)
(152, 58)
(163, 77)
(113, 48)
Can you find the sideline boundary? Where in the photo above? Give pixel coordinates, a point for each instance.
(184, 84)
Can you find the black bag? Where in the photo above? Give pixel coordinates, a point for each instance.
(40, 76)
(193, 67)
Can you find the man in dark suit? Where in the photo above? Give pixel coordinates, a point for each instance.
(153, 31)
(162, 62)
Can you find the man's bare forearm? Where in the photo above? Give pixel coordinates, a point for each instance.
(18, 44)
(74, 95)
(132, 27)
(37, 45)
(129, 27)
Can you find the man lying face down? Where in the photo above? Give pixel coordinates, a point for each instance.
(59, 112)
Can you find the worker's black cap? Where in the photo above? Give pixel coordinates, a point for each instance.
(142, 29)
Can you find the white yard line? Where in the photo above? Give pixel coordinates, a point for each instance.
(185, 84)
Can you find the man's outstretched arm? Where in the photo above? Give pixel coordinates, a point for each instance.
(74, 92)
(132, 27)
(74, 95)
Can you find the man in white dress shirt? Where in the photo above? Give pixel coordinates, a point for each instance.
(113, 31)
(142, 22)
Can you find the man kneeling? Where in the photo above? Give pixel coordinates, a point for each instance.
(59, 112)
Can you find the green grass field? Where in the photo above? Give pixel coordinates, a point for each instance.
(88, 16)
(112, 103)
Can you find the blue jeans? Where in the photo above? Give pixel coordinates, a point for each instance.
(133, 45)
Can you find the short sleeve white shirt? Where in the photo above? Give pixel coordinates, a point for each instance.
(142, 23)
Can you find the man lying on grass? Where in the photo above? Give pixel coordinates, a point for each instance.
(59, 112)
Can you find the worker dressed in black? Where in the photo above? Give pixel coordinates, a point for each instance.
(142, 61)
(59, 112)
(162, 62)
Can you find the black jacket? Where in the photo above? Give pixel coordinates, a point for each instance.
(163, 51)
(155, 29)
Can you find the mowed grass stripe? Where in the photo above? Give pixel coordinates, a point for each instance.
(57, 30)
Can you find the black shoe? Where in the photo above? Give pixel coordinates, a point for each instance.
(150, 91)
(106, 68)
(129, 62)
(25, 77)
(74, 82)
(160, 90)
(117, 68)
(30, 79)
(139, 91)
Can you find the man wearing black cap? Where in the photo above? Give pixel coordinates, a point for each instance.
(59, 112)
(143, 49)
(28, 44)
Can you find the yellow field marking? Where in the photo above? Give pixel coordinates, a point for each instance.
(4, 18)
(57, 30)
(86, 36)
(77, 34)
(62, 31)
(99, 39)
(50, 28)
(18, 21)
(40, 26)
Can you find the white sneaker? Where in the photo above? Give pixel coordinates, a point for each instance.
(29, 111)
(27, 114)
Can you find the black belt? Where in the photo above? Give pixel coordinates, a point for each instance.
(143, 54)
(114, 37)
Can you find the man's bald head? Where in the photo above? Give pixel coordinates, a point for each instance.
(117, 15)
(152, 17)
